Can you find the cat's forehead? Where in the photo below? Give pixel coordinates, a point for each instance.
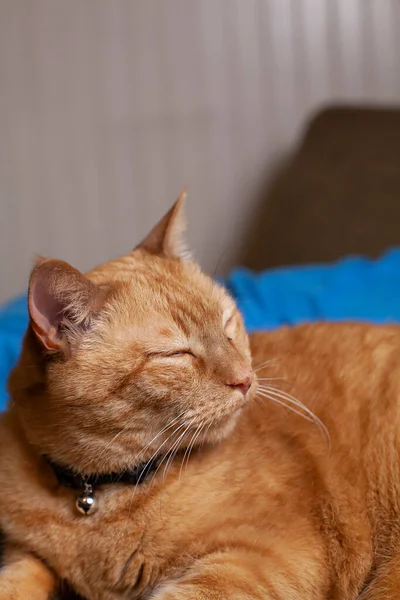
(185, 297)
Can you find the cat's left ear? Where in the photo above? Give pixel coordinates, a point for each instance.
(167, 238)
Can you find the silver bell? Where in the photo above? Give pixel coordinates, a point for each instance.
(86, 501)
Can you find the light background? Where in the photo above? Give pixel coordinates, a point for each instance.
(108, 107)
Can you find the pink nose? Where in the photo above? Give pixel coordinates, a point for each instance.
(242, 382)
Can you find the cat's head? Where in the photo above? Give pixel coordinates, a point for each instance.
(141, 353)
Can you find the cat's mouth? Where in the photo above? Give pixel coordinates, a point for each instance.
(227, 418)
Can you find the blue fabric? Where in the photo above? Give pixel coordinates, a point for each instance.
(13, 322)
(354, 288)
(351, 289)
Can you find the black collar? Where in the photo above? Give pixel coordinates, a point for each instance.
(69, 477)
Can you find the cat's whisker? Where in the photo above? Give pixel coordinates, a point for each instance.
(262, 365)
(188, 449)
(309, 416)
(163, 430)
(127, 426)
(288, 407)
(170, 457)
(106, 447)
(154, 455)
(206, 432)
(273, 379)
(115, 437)
(287, 396)
(185, 454)
(174, 450)
(292, 400)
(193, 443)
(296, 402)
(184, 424)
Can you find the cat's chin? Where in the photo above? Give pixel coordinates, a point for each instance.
(222, 428)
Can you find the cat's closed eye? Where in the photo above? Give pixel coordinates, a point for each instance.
(172, 354)
(229, 327)
(180, 353)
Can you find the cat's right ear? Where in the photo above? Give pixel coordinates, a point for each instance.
(167, 237)
(61, 302)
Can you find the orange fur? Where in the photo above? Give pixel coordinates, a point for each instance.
(265, 507)
(25, 576)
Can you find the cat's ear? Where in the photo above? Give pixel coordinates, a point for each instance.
(167, 238)
(61, 302)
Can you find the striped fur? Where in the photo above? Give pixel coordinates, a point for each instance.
(146, 352)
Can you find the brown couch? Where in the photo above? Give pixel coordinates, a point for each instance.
(339, 194)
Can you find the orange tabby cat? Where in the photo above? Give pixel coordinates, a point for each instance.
(145, 358)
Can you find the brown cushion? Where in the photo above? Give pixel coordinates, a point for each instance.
(339, 194)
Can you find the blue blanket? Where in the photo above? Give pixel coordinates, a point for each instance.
(351, 289)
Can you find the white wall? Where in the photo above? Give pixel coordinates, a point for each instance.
(108, 107)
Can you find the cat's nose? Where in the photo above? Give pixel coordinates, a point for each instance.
(242, 381)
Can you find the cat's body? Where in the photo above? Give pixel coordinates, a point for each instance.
(266, 507)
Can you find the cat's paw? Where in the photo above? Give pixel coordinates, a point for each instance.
(169, 591)
(15, 592)
(25, 577)
(193, 591)
(176, 591)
